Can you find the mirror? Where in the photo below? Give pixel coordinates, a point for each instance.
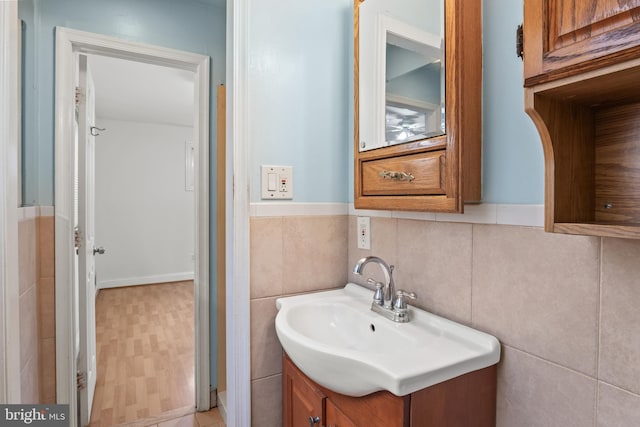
(401, 72)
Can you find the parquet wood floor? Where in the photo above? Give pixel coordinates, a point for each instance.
(145, 353)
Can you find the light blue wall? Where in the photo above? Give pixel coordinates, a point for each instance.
(301, 101)
(300, 90)
(513, 168)
(29, 158)
(187, 25)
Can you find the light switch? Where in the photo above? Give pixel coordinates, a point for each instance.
(272, 184)
(277, 182)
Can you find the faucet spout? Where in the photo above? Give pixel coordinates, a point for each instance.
(389, 285)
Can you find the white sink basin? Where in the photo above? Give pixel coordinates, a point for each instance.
(336, 340)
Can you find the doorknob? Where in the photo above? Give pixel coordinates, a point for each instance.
(313, 420)
(99, 250)
(93, 130)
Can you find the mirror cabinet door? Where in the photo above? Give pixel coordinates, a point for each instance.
(417, 68)
(402, 60)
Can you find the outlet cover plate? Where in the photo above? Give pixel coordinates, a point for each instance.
(283, 177)
(364, 232)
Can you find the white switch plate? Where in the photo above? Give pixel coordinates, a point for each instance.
(283, 189)
(364, 232)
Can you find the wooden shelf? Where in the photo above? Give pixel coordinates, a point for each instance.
(629, 231)
(589, 125)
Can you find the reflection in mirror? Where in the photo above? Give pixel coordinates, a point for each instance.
(414, 100)
(401, 72)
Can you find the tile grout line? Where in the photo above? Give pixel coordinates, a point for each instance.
(558, 365)
(551, 362)
(598, 332)
(473, 232)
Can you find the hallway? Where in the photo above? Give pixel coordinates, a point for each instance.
(145, 354)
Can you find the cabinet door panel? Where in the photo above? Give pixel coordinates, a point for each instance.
(336, 418)
(565, 37)
(301, 399)
(575, 21)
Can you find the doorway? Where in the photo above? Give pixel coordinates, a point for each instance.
(69, 45)
(145, 242)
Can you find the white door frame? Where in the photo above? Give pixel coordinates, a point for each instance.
(237, 214)
(9, 288)
(68, 43)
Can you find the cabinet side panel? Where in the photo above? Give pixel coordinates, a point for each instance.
(465, 401)
(471, 131)
(571, 132)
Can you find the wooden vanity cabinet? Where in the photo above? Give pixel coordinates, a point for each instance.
(447, 168)
(465, 401)
(582, 91)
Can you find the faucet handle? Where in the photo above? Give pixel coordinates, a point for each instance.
(377, 296)
(400, 303)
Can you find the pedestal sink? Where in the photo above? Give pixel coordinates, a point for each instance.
(336, 340)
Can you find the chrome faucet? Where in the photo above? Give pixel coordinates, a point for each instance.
(389, 286)
(383, 299)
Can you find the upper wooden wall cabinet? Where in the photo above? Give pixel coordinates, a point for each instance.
(582, 90)
(437, 173)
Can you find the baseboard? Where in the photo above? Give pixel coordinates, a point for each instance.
(145, 280)
(222, 405)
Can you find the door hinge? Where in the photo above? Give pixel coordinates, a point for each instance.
(77, 98)
(520, 42)
(81, 380)
(77, 238)
(77, 95)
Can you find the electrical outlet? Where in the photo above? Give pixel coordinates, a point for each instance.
(284, 181)
(277, 182)
(364, 232)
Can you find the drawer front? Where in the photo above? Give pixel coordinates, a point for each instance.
(415, 174)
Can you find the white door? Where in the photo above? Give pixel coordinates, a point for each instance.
(86, 254)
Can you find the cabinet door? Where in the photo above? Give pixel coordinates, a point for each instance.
(565, 37)
(303, 403)
(336, 418)
(430, 171)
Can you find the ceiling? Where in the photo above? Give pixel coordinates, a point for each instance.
(135, 91)
(219, 3)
